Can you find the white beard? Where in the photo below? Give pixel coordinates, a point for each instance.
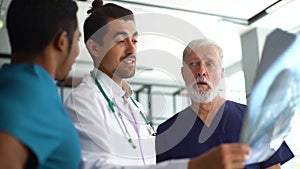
(199, 95)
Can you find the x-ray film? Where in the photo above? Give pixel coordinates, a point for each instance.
(275, 97)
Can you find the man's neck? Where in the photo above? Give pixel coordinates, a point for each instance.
(115, 78)
(207, 111)
(42, 59)
(119, 81)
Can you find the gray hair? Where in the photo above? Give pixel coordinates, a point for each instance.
(197, 43)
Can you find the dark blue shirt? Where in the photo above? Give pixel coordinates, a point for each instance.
(185, 135)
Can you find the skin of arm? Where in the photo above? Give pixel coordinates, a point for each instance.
(13, 153)
(277, 166)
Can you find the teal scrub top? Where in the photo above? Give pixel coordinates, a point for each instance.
(31, 110)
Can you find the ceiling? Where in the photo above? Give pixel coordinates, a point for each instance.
(166, 26)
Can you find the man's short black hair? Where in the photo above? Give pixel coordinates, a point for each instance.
(32, 24)
(100, 15)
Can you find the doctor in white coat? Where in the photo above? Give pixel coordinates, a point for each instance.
(113, 130)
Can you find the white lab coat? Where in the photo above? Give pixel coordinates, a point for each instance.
(103, 143)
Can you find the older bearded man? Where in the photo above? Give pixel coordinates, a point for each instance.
(210, 122)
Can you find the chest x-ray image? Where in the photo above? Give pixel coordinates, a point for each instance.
(275, 97)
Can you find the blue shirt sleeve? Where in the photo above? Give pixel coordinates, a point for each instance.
(29, 103)
(282, 155)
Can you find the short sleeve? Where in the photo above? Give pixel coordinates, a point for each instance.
(30, 110)
(282, 155)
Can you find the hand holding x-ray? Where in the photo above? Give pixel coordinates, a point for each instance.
(275, 97)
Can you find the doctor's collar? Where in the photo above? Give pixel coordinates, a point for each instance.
(124, 91)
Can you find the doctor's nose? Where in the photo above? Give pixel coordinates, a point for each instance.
(130, 46)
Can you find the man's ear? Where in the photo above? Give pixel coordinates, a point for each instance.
(61, 41)
(182, 72)
(93, 47)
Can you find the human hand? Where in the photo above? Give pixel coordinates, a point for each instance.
(225, 156)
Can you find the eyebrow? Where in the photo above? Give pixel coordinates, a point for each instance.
(124, 34)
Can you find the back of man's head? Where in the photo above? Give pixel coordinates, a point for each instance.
(32, 24)
(100, 15)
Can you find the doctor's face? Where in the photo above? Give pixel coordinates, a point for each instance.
(202, 72)
(119, 45)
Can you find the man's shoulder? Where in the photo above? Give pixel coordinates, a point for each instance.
(233, 104)
(85, 89)
(235, 109)
(25, 74)
(19, 81)
(87, 82)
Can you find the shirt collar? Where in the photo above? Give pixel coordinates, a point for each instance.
(124, 91)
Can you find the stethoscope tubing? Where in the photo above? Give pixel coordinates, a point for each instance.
(120, 119)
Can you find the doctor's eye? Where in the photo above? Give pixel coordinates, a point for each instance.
(135, 41)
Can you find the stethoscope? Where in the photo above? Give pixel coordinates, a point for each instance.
(120, 120)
